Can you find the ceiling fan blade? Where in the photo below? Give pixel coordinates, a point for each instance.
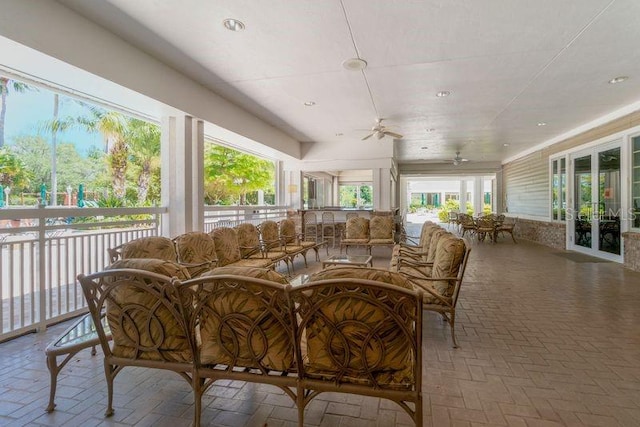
(393, 134)
(367, 137)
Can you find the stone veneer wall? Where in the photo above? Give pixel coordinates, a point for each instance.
(631, 250)
(552, 234)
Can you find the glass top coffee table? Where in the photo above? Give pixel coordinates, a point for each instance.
(348, 260)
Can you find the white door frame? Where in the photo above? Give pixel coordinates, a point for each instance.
(593, 152)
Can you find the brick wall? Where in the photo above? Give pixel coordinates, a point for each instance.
(632, 250)
(552, 234)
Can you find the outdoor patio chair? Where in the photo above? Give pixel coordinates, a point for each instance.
(251, 246)
(228, 252)
(442, 287)
(146, 318)
(356, 233)
(486, 226)
(507, 226)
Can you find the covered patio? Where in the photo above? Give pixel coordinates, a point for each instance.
(538, 346)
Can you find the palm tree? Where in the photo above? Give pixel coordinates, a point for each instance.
(112, 126)
(5, 85)
(144, 145)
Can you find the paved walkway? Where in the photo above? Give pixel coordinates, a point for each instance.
(545, 340)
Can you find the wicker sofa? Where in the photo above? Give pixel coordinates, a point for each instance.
(346, 330)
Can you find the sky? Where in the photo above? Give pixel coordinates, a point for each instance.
(27, 110)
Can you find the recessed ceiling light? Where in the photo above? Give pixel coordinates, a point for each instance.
(618, 79)
(542, 123)
(443, 93)
(354, 64)
(309, 104)
(506, 144)
(233, 24)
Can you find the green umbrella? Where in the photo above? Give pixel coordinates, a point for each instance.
(81, 196)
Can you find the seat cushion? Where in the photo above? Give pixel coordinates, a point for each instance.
(154, 265)
(150, 247)
(196, 248)
(357, 228)
(255, 272)
(448, 259)
(225, 240)
(141, 323)
(342, 327)
(250, 327)
(381, 227)
(379, 275)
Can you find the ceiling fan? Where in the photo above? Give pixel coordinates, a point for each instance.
(380, 131)
(457, 160)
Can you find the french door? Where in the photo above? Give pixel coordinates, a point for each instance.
(594, 220)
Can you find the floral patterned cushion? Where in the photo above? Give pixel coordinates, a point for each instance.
(255, 272)
(376, 274)
(288, 231)
(225, 240)
(154, 265)
(352, 319)
(196, 249)
(150, 247)
(381, 228)
(357, 229)
(250, 323)
(143, 324)
(270, 235)
(449, 255)
(248, 239)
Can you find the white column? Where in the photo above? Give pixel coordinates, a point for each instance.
(381, 189)
(478, 195)
(463, 195)
(182, 174)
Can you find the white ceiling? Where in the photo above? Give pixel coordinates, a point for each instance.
(509, 64)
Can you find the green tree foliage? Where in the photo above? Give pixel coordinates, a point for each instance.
(35, 153)
(13, 173)
(112, 126)
(231, 175)
(144, 147)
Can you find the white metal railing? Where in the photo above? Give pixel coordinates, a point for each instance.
(230, 216)
(42, 250)
(42, 253)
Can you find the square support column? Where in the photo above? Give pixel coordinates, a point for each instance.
(182, 174)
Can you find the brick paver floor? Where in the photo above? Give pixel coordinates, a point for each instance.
(544, 341)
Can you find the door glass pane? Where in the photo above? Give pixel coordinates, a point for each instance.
(563, 189)
(635, 187)
(609, 198)
(582, 204)
(555, 191)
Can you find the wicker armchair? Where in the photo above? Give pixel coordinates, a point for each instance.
(363, 336)
(442, 287)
